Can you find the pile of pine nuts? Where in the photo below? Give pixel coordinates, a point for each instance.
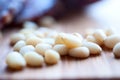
(33, 46)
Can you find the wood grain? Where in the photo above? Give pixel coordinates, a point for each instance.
(103, 66)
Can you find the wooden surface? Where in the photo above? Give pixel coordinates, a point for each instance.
(104, 66)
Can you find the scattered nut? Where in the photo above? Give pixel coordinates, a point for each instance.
(33, 40)
(34, 59)
(93, 47)
(79, 52)
(42, 47)
(16, 37)
(116, 50)
(70, 40)
(26, 31)
(19, 45)
(26, 49)
(100, 36)
(51, 56)
(109, 31)
(78, 35)
(111, 41)
(48, 21)
(50, 41)
(30, 25)
(39, 34)
(90, 38)
(58, 39)
(61, 49)
(15, 60)
(30, 35)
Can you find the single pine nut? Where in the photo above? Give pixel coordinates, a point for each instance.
(79, 52)
(111, 41)
(51, 56)
(19, 45)
(26, 31)
(116, 50)
(15, 60)
(45, 31)
(16, 37)
(90, 38)
(34, 59)
(30, 25)
(33, 40)
(30, 35)
(39, 34)
(100, 36)
(26, 49)
(50, 41)
(61, 49)
(42, 47)
(70, 40)
(109, 31)
(52, 35)
(93, 47)
(48, 21)
(58, 39)
(78, 35)
(89, 31)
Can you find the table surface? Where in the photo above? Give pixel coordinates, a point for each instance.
(104, 66)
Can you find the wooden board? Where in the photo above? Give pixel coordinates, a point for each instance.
(104, 66)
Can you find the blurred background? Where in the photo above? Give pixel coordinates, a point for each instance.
(19, 11)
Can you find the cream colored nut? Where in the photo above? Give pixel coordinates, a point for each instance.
(93, 47)
(16, 37)
(70, 40)
(111, 41)
(50, 41)
(51, 56)
(100, 36)
(52, 34)
(61, 49)
(26, 49)
(79, 52)
(39, 34)
(89, 31)
(30, 35)
(45, 31)
(90, 38)
(30, 25)
(78, 35)
(48, 21)
(33, 40)
(19, 45)
(42, 47)
(109, 31)
(58, 39)
(34, 59)
(26, 31)
(15, 60)
(116, 50)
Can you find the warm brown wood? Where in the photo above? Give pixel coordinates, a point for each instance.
(104, 66)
